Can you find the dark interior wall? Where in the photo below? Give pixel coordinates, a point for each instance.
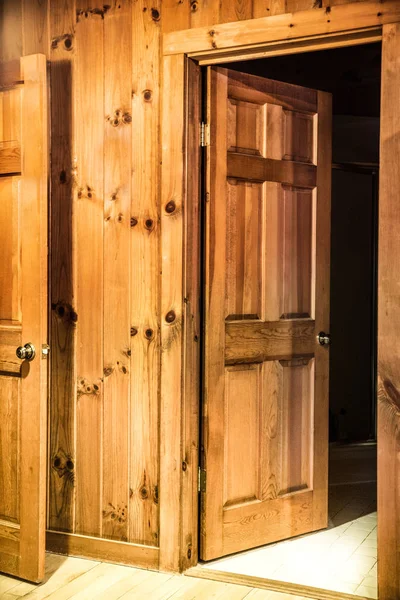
(352, 307)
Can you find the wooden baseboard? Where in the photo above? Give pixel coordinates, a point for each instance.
(270, 584)
(144, 557)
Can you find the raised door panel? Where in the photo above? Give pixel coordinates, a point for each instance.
(265, 393)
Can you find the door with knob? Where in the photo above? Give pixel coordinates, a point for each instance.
(265, 429)
(23, 320)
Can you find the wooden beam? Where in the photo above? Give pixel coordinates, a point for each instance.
(285, 27)
(10, 158)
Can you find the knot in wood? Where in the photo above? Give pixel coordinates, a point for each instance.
(149, 333)
(68, 43)
(147, 95)
(133, 331)
(143, 493)
(149, 223)
(170, 207)
(170, 316)
(133, 221)
(155, 14)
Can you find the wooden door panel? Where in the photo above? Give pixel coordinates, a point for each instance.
(243, 250)
(23, 319)
(265, 376)
(10, 249)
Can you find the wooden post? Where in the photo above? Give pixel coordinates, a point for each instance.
(389, 321)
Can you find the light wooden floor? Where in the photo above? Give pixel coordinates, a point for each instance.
(80, 579)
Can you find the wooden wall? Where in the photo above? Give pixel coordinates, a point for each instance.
(105, 245)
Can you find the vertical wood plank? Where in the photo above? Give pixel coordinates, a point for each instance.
(35, 26)
(10, 30)
(117, 263)
(192, 324)
(389, 321)
(33, 415)
(172, 198)
(204, 12)
(175, 15)
(237, 10)
(268, 8)
(145, 276)
(63, 318)
(89, 148)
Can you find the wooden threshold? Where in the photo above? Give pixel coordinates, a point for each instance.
(271, 584)
(82, 546)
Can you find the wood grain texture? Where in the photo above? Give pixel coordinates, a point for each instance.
(35, 26)
(11, 30)
(10, 158)
(172, 206)
(256, 168)
(389, 322)
(145, 557)
(271, 340)
(89, 211)
(145, 277)
(63, 271)
(303, 23)
(117, 267)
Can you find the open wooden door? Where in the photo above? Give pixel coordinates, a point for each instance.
(23, 318)
(265, 413)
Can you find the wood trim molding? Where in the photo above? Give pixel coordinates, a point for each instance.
(145, 557)
(285, 27)
(172, 310)
(271, 584)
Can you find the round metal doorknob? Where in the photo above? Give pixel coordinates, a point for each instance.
(26, 352)
(324, 339)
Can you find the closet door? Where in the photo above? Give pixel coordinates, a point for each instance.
(23, 320)
(265, 425)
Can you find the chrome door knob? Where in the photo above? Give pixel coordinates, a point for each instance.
(26, 352)
(324, 339)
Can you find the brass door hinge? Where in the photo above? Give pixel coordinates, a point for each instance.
(204, 135)
(202, 480)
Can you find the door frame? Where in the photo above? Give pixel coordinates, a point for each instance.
(183, 53)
